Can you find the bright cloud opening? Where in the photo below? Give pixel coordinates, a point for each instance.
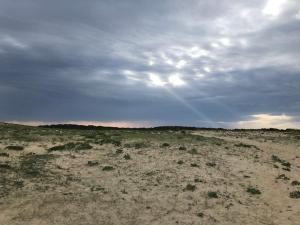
(180, 64)
(207, 69)
(175, 80)
(225, 41)
(273, 7)
(257, 121)
(156, 80)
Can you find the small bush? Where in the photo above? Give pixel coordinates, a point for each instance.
(19, 183)
(127, 156)
(253, 190)
(198, 180)
(4, 154)
(182, 148)
(136, 145)
(212, 194)
(180, 162)
(109, 140)
(286, 164)
(92, 163)
(282, 162)
(5, 166)
(108, 168)
(119, 151)
(200, 214)
(190, 187)
(194, 165)
(71, 146)
(97, 188)
(295, 194)
(15, 147)
(211, 164)
(164, 145)
(34, 165)
(295, 183)
(282, 177)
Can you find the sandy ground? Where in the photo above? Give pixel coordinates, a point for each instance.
(150, 177)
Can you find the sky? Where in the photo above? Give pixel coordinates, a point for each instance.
(137, 63)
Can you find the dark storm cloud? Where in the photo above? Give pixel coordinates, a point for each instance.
(203, 63)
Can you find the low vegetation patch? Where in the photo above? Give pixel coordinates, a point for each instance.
(71, 146)
(4, 154)
(212, 194)
(281, 161)
(190, 187)
(108, 168)
(282, 177)
(15, 147)
(295, 194)
(193, 151)
(180, 162)
(194, 165)
(243, 145)
(34, 165)
(119, 151)
(92, 163)
(127, 156)
(137, 145)
(110, 140)
(210, 140)
(182, 148)
(295, 183)
(253, 191)
(211, 164)
(5, 166)
(164, 145)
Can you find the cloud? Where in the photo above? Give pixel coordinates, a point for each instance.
(203, 61)
(268, 121)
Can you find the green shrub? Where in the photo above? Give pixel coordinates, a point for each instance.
(211, 164)
(180, 162)
(282, 177)
(110, 141)
(15, 147)
(136, 145)
(107, 168)
(253, 190)
(127, 156)
(190, 187)
(295, 183)
(119, 151)
(92, 163)
(200, 214)
(4, 154)
(295, 194)
(71, 146)
(212, 194)
(34, 165)
(5, 166)
(164, 145)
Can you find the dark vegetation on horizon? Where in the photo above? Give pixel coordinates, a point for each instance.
(175, 128)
